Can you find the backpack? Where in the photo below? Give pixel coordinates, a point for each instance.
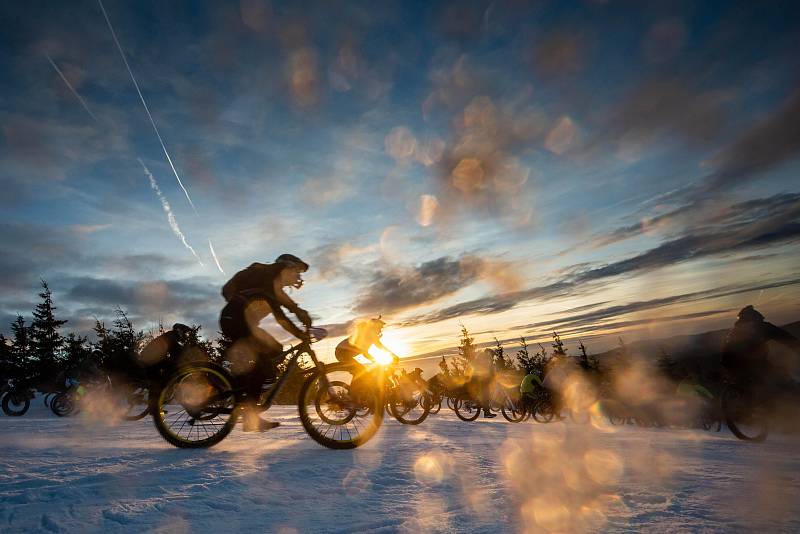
(253, 277)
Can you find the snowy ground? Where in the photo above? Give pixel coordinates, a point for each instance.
(65, 475)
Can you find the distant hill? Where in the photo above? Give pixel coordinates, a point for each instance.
(699, 351)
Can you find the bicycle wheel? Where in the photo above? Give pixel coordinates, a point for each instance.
(331, 413)
(436, 405)
(543, 412)
(197, 407)
(137, 403)
(63, 404)
(467, 409)
(745, 415)
(411, 408)
(513, 411)
(351, 417)
(14, 405)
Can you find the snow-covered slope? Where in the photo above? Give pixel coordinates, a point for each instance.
(76, 475)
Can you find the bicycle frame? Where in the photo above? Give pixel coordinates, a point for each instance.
(298, 350)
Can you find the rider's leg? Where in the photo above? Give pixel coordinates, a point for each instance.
(265, 348)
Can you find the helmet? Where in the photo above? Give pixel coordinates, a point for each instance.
(377, 323)
(749, 314)
(292, 260)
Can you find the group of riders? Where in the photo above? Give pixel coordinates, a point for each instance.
(259, 291)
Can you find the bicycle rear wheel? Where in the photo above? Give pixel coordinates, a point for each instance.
(338, 417)
(197, 407)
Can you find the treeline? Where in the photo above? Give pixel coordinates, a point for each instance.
(523, 362)
(39, 351)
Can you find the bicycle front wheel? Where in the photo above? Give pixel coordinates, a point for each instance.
(513, 411)
(197, 407)
(467, 409)
(136, 403)
(411, 408)
(746, 415)
(335, 415)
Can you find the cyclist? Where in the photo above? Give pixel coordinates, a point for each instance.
(251, 295)
(746, 350)
(482, 380)
(529, 383)
(365, 334)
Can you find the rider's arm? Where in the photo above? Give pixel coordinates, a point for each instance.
(284, 321)
(286, 301)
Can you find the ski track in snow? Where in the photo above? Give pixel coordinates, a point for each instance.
(63, 475)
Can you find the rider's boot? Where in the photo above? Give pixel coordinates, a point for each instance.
(251, 422)
(488, 414)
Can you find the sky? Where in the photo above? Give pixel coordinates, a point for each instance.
(597, 168)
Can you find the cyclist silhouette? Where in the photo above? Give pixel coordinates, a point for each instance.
(251, 295)
(366, 333)
(746, 349)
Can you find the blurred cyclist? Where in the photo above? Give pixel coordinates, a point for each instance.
(251, 295)
(746, 350)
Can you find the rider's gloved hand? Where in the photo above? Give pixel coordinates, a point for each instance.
(304, 317)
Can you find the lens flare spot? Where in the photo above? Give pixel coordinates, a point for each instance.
(561, 137)
(356, 482)
(604, 467)
(428, 204)
(550, 514)
(400, 143)
(428, 470)
(468, 176)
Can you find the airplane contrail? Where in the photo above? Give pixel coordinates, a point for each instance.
(173, 223)
(69, 86)
(214, 255)
(163, 146)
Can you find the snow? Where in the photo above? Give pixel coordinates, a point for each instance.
(81, 475)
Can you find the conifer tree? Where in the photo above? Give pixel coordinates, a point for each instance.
(501, 363)
(6, 360)
(444, 367)
(22, 363)
(76, 349)
(45, 339)
(466, 353)
(559, 351)
(525, 361)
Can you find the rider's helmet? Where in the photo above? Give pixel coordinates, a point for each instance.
(749, 314)
(290, 260)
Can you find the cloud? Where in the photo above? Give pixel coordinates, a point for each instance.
(770, 142)
(571, 320)
(146, 300)
(395, 289)
(776, 228)
(710, 214)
